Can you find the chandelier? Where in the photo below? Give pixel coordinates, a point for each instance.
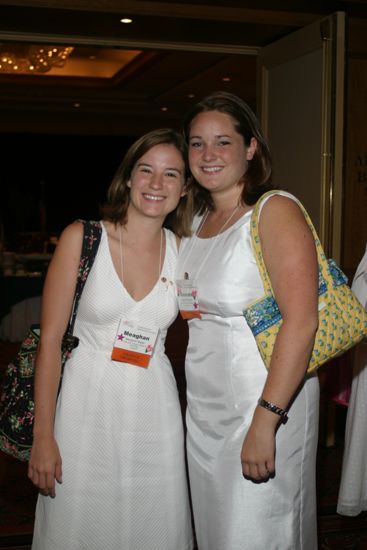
(27, 59)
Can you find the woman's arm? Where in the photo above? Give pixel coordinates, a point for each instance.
(291, 260)
(58, 294)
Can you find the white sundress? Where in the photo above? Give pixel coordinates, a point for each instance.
(119, 429)
(352, 499)
(225, 376)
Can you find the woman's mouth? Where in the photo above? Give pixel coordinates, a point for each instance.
(211, 169)
(153, 197)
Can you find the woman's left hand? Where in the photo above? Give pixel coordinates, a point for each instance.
(258, 450)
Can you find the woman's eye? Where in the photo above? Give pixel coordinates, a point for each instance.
(224, 142)
(195, 144)
(171, 174)
(145, 170)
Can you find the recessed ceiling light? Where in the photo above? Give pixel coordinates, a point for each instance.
(226, 79)
(126, 20)
(190, 95)
(76, 105)
(92, 57)
(164, 108)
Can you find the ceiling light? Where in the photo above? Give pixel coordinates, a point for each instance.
(126, 20)
(191, 96)
(164, 108)
(23, 58)
(226, 79)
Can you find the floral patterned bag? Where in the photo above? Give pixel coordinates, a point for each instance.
(342, 318)
(16, 401)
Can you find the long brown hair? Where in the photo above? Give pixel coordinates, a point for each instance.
(257, 179)
(118, 194)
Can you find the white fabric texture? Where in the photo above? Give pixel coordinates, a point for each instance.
(119, 429)
(225, 377)
(352, 497)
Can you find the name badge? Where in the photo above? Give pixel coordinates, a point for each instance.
(188, 301)
(134, 344)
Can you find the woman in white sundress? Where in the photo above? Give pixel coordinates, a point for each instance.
(109, 462)
(352, 499)
(252, 476)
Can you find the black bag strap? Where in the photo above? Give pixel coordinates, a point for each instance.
(91, 240)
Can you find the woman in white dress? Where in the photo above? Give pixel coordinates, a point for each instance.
(352, 499)
(109, 462)
(252, 476)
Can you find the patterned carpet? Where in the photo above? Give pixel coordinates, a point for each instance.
(18, 496)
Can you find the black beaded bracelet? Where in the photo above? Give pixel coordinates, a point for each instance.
(274, 409)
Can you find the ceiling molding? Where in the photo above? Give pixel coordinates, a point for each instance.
(128, 43)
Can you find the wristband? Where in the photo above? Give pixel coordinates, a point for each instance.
(274, 409)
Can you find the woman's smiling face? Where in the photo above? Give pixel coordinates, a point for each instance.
(157, 181)
(217, 152)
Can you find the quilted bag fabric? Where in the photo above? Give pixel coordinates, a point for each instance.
(342, 318)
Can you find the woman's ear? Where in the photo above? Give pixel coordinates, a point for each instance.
(128, 184)
(251, 149)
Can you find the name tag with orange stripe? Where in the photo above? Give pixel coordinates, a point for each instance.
(134, 344)
(188, 301)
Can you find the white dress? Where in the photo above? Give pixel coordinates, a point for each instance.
(225, 377)
(352, 497)
(119, 429)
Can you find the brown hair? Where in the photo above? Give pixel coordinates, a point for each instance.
(258, 175)
(118, 193)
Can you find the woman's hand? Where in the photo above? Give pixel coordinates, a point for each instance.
(45, 465)
(258, 449)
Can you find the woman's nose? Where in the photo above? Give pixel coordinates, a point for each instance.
(208, 152)
(156, 181)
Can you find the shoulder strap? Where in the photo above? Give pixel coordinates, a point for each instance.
(91, 240)
(256, 244)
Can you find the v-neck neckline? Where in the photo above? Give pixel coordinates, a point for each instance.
(136, 302)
